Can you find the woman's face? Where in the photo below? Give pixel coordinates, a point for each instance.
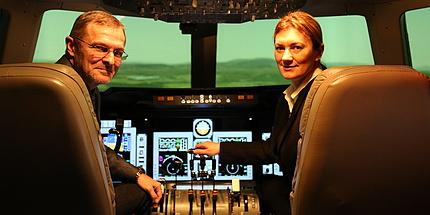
(295, 55)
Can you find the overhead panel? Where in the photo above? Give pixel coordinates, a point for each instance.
(208, 11)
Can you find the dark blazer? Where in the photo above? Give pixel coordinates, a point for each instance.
(119, 168)
(280, 148)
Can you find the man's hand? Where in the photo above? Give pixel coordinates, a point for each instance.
(207, 148)
(152, 187)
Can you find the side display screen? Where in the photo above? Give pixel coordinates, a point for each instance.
(271, 169)
(133, 145)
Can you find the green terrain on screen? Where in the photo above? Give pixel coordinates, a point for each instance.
(236, 73)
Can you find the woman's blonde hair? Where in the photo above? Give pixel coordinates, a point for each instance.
(303, 22)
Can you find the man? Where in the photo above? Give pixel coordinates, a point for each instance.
(95, 49)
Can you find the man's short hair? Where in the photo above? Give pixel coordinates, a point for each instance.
(97, 17)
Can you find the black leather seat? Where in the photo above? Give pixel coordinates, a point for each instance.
(51, 156)
(365, 146)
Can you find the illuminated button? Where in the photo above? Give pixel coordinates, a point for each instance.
(241, 97)
(250, 96)
(160, 98)
(227, 99)
(170, 98)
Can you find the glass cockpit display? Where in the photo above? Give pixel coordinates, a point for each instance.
(229, 171)
(171, 159)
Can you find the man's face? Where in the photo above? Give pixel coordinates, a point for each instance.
(94, 68)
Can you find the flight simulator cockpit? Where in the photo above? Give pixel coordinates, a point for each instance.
(161, 128)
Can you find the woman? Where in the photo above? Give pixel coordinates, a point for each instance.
(298, 51)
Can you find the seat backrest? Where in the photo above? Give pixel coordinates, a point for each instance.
(365, 146)
(51, 154)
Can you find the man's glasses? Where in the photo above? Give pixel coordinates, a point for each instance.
(101, 51)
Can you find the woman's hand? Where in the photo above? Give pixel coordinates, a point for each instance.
(207, 148)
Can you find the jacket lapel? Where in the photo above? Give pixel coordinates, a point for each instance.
(293, 116)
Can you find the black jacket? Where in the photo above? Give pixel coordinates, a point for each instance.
(119, 168)
(280, 148)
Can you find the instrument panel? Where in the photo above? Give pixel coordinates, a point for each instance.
(171, 161)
